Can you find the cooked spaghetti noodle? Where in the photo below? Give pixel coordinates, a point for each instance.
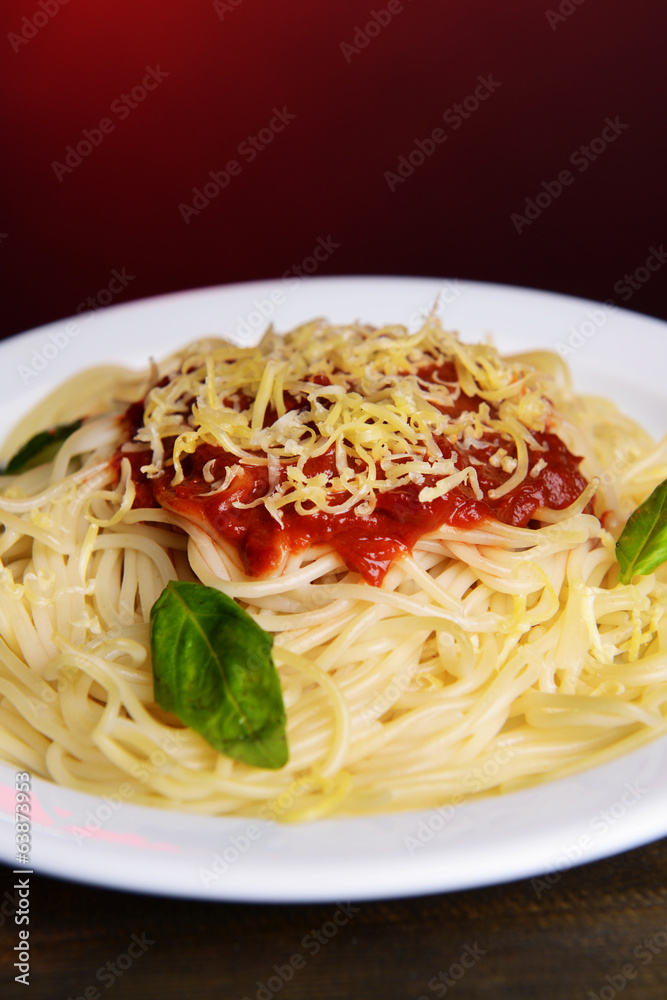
(425, 528)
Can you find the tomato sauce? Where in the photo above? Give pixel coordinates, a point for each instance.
(367, 544)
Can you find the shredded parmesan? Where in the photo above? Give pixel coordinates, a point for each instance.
(375, 398)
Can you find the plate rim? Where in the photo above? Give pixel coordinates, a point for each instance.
(364, 883)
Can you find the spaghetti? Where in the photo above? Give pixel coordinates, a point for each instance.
(425, 528)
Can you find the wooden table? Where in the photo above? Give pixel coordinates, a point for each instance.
(599, 931)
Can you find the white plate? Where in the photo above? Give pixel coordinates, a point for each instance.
(546, 829)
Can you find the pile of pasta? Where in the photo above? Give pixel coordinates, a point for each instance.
(487, 658)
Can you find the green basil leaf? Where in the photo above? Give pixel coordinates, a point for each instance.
(642, 546)
(212, 667)
(41, 448)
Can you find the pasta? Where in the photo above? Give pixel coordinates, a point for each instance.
(425, 528)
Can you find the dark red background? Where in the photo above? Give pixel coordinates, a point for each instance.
(323, 176)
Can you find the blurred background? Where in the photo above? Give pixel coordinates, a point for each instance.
(167, 145)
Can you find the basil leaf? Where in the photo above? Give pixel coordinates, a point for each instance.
(41, 448)
(642, 545)
(213, 668)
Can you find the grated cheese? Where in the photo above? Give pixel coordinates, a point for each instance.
(372, 396)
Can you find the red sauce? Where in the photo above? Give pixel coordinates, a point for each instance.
(370, 543)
